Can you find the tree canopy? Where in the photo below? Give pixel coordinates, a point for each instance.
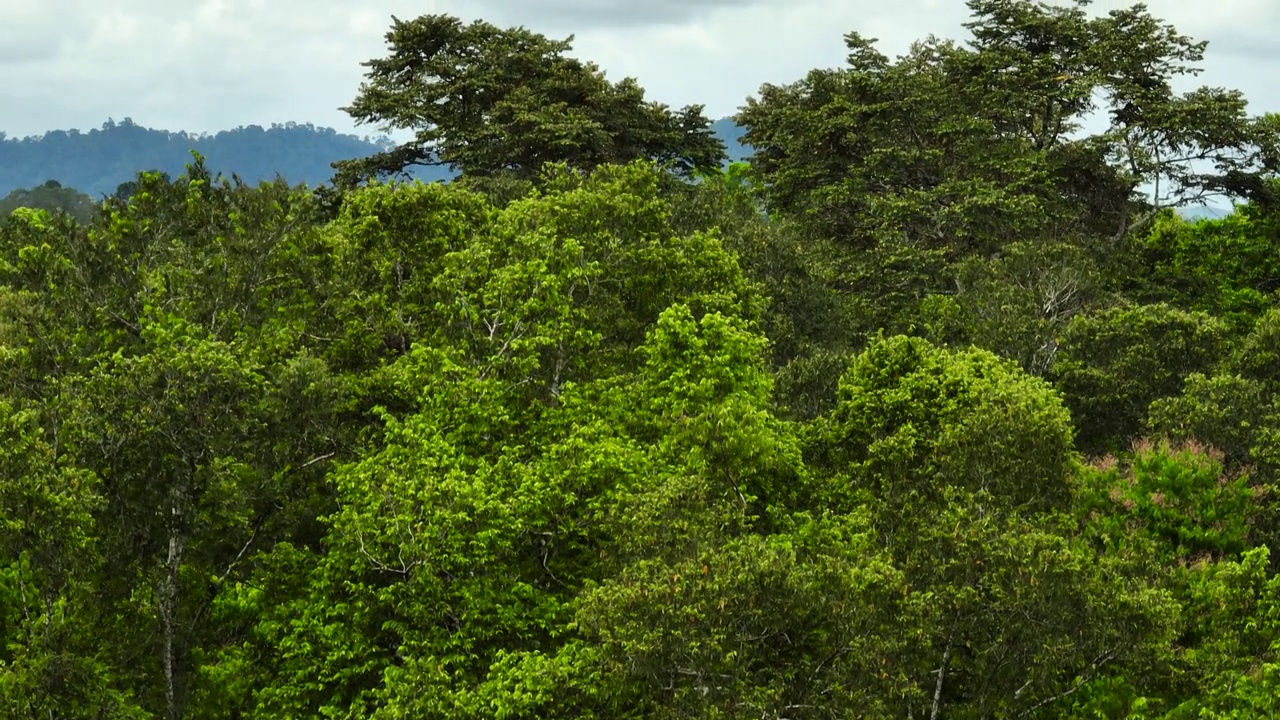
(485, 100)
(933, 407)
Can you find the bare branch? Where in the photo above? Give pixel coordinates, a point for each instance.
(1097, 664)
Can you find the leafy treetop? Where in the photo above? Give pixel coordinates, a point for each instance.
(485, 100)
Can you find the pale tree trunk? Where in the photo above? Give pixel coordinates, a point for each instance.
(167, 606)
(937, 688)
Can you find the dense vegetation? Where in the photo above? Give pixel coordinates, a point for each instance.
(936, 408)
(51, 196)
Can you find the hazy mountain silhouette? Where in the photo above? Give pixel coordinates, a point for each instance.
(98, 161)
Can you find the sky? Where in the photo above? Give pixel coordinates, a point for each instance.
(209, 65)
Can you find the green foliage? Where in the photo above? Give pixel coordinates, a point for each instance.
(1226, 267)
(759, 625)
(914, 420)
(1018, 303)
(1235, 661)
(710, 573)
(577, 437)
(48, 521)
(50, 197)
(1112, 364)
(556, 287)
(946, 189)
(967, 465)
(1257, 356)
(1237, 416)
(1228, 412)
(1178, 494)
(484, 100)
(49, 659)
(902, 167)
(388, 244)
(807, 320)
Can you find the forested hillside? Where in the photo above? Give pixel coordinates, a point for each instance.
(96, 162)
(933, 408)
(52, 197)
(99, 161)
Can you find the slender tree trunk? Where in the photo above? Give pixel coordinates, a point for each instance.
(166, 604)
(937, 688)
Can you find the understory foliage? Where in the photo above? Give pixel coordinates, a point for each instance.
(933, 409)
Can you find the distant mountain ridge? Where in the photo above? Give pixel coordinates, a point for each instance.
(98, 161)
(730, 133)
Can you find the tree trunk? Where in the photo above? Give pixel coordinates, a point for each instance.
(166, 604)
(937, 688)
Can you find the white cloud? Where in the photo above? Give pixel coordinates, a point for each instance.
(214, 64)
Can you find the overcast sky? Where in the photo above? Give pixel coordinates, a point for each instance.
(209, 65)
